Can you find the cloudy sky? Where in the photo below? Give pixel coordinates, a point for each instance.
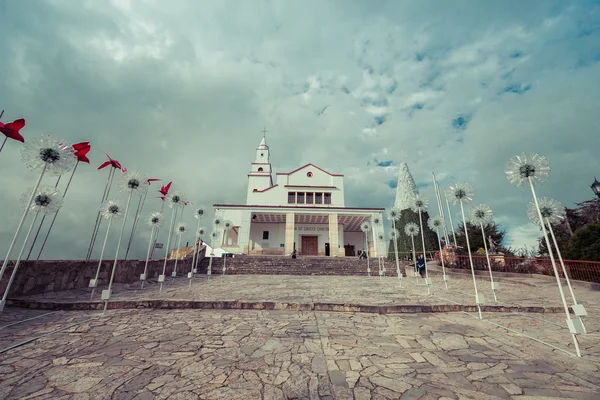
(181, 90)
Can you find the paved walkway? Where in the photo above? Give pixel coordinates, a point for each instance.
(338, 289)
(190, 354)
(236, 354)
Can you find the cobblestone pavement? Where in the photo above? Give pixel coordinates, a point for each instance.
(190, 354)
(234, 354)
(342, 289)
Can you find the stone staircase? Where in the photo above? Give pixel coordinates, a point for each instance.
(285, 265)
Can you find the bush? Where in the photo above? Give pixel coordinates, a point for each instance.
(585, 243)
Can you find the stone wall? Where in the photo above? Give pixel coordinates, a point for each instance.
(35, 277)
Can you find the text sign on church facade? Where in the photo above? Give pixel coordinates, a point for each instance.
(311, 228)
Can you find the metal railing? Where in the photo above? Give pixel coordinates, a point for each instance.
(588, 271)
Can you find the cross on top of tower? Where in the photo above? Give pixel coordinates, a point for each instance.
(264, 131)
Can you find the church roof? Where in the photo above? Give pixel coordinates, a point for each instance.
(263, 144)
(308, 165)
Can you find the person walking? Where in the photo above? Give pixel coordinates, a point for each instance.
(421, 265)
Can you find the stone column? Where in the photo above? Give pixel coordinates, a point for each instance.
(289, 232)
(244, 232)
(333, 235)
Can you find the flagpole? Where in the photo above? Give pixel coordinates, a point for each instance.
(6, 137)
(55, 215)
(111, 175)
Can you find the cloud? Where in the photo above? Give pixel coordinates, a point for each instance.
(183, 92)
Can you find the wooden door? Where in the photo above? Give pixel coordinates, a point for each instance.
(349, 250)
(310, 245)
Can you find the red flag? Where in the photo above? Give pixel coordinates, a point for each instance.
(164, 190)
(112, 163)
(11, 130)
(81, 150)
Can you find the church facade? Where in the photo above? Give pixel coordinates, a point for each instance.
(302, 210)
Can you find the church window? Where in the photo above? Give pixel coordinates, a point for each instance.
(260, 169)
(261, 154)
(300, 198)
(265, 235)
(309, 198)
(318, 198)
(327, 198)
(309, 174)
(291, 197)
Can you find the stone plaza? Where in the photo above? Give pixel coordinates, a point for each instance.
(308, 337)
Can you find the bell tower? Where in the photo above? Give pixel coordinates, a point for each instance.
(260, 176)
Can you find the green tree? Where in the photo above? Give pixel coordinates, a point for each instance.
(475, 238)
(404, 241)
(585, 244)
(586, 212)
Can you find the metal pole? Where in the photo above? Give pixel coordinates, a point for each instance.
(412, 239)
(98, 221)
(441, 208)
(562, 264)
(18, 262)
(487, 256)
(143, 277)
(100, 260)
(161, 278)
(560, 288)
(114, 268)
(157, 233)
(56, 213)
(442, 259)
(192, 270)
(396, 251)
(174, 273)
(12, 244)
(135, 222)
(367, 253)
(452, 223)
(424, 251)
(462, 210)
(44, 217)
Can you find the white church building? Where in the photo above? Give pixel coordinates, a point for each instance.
(303, 210)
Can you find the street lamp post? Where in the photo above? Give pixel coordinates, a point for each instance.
(596, 187)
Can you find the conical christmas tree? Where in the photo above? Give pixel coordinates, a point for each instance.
(405, 193)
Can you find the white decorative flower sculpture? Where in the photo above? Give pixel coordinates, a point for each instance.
(112, 209)
(481, 215)
(181, 229)
(394, 234)
(214, 235)
(201, 232)
(393, 214)
(134, 182)
(176, 199)
(50, 152)
(436, 223)
(522, 167)
(552, 211)
(199, 212)
(376, 221)
(227, 225)
(380, 237)
(365, 226)
(218, 223)
(411, 229)
(460, 192)
(155, 219)
(46, 200)
(419, 204)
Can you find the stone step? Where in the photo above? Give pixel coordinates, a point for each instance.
(279, 265)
